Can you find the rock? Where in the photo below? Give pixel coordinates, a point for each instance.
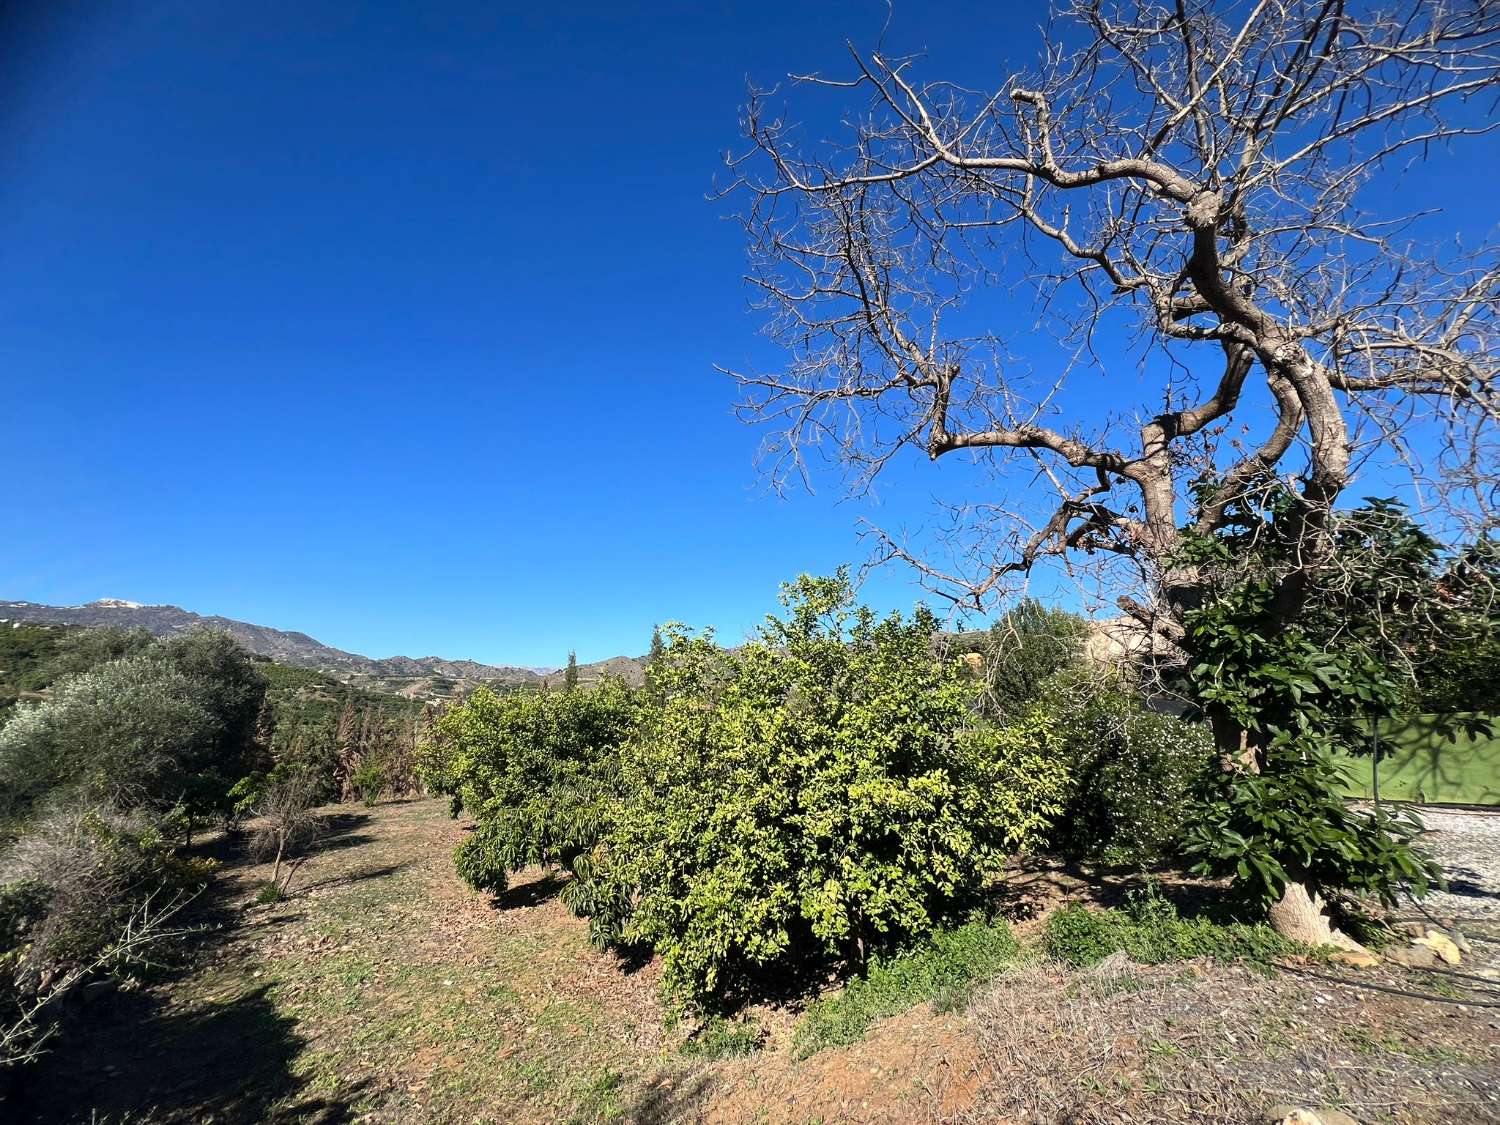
(1442, 945)
(1413, 956)
(1357, 958)
(1296, 1115)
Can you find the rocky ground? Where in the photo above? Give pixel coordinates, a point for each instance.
(1467, 844)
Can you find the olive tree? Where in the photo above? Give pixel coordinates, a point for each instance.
(1205, 194)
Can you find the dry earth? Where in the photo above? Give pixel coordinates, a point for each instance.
(385, 991)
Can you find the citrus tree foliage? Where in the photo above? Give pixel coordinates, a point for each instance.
(820, 791)
(539, 772)
(1301, 691)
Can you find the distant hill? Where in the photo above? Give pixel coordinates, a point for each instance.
(425, 676)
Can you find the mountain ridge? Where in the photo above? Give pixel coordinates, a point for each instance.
(425, 675)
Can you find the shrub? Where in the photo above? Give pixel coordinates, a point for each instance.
(1152, 932)
(165, 726)
(944, 968)
(287, 826)
(370, 780)
(85, 888)
(539, 772)
(1023, 650)
(1134, 774)
(819, 792)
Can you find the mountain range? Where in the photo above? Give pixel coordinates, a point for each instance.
(421, 676)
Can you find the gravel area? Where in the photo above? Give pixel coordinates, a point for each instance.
(1467, 844)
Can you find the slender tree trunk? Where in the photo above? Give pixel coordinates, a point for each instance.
(276, 867)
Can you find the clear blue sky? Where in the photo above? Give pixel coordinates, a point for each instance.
(396, 322)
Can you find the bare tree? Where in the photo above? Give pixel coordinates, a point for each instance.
(288, 825)
(1184, 187)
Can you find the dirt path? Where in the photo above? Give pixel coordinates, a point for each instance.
(385, 991)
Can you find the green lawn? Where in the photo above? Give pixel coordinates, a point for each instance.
(1434, 760)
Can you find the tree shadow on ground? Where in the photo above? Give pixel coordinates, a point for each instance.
(1039, 884)
(229, 1063)
(670, 1098)
(533, 892)
(339, 831)
(351, 877)
(130, 1055)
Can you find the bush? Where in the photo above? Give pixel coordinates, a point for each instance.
(1134, 774)
(165, 726)
(287, 826)
(820, 792)
(1151, 931)
(370, 780)
(84, 883)
(1023, 650)
(539, 772)
(946, 967)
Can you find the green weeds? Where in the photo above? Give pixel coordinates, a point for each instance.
(721, 1038)
(1151, 932)
(944, 970)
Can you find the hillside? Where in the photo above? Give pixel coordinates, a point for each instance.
(422, 677)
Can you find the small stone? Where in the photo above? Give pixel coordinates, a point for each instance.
(1356, 958)
(1442, 945)
(1297, 1115)
(1291, 1115)
(1413, 956)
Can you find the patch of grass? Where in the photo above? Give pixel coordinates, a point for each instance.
(721, 1038)
(944, 969)
(268, 894)
(1435, 1054)
(1151, 931)
(600, 1099)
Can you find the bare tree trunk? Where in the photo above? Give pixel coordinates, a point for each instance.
(276, 867)
(1299, 915)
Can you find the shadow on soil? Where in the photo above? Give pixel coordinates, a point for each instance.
(129, 1056)
(534, 893)
(352, 877)
(226, 1062)
(665, 1101)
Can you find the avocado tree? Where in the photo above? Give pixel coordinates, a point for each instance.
(1206, 194)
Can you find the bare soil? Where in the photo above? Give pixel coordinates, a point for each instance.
(383, 990)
